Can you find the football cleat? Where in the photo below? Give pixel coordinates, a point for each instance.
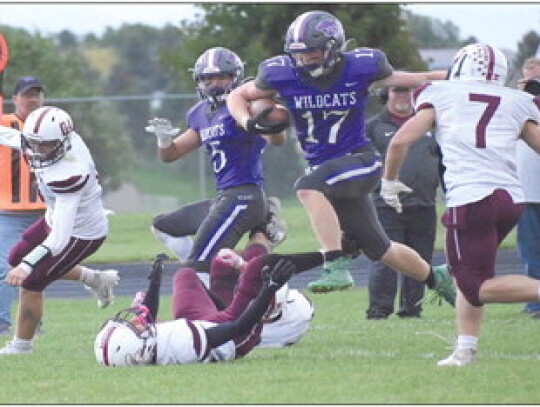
(275, 228)
(335, 276)
(10, 349)
(444, 284)
(459, 357)
(102, 287)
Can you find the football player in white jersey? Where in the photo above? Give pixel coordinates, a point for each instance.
(290, 314)
(204, 330)
(479, 122)
(74, 225)
(288, 321)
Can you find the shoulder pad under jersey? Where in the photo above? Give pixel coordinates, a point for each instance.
(367, 61)
(277, 69)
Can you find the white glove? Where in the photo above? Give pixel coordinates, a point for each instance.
(163, 130)
(231, 258)
(10, 137)
(390, 190)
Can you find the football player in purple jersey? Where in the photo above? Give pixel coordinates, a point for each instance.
(204, 328)
(326, 89)
(241, 205)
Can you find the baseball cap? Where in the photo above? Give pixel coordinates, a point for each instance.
(26, 82)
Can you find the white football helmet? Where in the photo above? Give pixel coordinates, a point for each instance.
(479, 62)
(121, 343)
(280, 298)
(46, 136)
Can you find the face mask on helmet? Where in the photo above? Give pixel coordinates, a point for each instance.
(315, 30)
(479, 62)
(120, 342)
(276, 307)
(217, 63)
(46, 136)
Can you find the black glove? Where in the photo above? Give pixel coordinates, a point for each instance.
(532, 86)
(276, 273)
(258, 124)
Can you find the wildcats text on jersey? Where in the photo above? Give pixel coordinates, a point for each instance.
(326, 100)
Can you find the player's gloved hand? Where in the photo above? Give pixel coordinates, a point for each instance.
(277, 271)
(390, 190)
(163, 130)
(532, 86)
(230, 257)
(259, 124)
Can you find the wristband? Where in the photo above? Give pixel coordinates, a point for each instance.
(164, 141)
(25, 267)
(36, 255)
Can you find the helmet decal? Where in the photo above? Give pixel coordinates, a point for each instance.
(328, 27)
(311, 31)
(479, 62)
(45, 137)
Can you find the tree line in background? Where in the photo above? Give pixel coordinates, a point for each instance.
(139, 60)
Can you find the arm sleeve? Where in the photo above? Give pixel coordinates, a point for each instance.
(62, 221)
(224, 332)
(302, 261)
(261, 80)
(151, 299)
(10, 137)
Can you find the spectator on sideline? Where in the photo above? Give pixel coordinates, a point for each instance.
(478, 123)
(20, 204)
(528, 166)
(74, 225)
(241, 206)
(325, 90)
(416, 225)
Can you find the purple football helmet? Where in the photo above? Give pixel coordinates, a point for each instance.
(315, 30)
(217, 61)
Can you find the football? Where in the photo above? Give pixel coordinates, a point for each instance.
(278, 113)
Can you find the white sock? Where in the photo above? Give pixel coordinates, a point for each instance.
(87, 275)
(23, 344)
(466, 342)
(181, 246)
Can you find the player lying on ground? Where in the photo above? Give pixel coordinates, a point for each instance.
(290, 314)
(200, 332)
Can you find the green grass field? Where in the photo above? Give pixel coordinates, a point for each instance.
(344, 359)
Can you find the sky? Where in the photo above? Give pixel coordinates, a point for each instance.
(499, 24)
